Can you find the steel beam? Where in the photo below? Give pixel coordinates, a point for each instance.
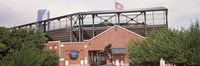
(82, 28)
(44, 27)
(93, 30)
(118, 17)
(71, 38)
(166, 12)
(79, 27)
(145, 28)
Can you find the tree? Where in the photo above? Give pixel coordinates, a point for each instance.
(180, 47)
(193, 44)
(30, 57)
(51, 60)
(25, 47)
(2, 49)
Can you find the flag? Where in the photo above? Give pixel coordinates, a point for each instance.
(118, 6)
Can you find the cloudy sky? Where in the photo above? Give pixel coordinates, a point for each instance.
(18, 12)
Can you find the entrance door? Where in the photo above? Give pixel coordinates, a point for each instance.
(96, 58)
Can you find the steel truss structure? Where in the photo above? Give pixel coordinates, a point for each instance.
(78, 25)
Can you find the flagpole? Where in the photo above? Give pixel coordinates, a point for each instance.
(115, 4)
(115, 10)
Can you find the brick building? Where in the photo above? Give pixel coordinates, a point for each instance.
(85, 52)
(78, 37)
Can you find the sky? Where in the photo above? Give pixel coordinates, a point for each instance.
(17, 12)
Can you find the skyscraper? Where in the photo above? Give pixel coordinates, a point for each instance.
(43, 14)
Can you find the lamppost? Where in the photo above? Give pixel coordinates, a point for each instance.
(62, 48)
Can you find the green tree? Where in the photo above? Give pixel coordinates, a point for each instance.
(180, 47)
(2, 49)
(51, 59)
(193, 44)
(25, 47)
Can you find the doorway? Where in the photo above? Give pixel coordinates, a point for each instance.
(97, 58)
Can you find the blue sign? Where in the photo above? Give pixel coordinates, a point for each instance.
(74, 54)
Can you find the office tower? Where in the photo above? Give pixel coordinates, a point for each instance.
(42, 14)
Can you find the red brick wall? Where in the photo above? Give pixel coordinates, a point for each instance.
(53, 44)
(117, 36)
(74, 46)
(77, 61)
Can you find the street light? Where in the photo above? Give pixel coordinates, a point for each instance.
(61, 45)
(55, 47)
(50, 47)
(85, 46)
(66, 62)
